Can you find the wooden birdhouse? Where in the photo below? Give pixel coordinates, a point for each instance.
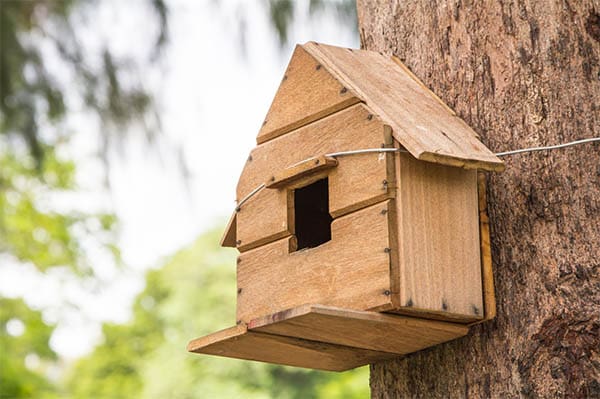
(360, 222)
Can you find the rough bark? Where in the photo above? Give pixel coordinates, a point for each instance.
(522, 73)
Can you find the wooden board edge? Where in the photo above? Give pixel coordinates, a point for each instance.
(265, 137)
(491, 165)
(437, 315)
(229, 236)
(280, 316)
(311, 354)
(487, 273)
(300, 170)
(197, 344)
(390, 305)
(264, 241)
(360, 205)
(393, 234)
(366, 330)
(364, 315)
(313, 49)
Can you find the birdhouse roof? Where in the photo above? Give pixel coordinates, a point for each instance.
(420, 121)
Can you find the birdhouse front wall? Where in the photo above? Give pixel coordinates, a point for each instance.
(352, 270)
(356, 182)
(308, 92)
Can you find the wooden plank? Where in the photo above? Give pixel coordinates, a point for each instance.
(420, 123)
(229, 236)
(351, 270)
(358, 329)
(489, 295)
(237, 342)
(438, 241)
(264, 218)
(307, 93)
(302, 169)
(393, 223)
(356, 182)
(425, 88)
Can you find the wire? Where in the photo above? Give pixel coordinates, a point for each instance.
(365, 151)
(247, 197)
(380, 150)
(548, 147)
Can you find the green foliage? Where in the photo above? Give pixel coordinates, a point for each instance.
(282, 14)
(32, 102)
(32, 105)
(22, 333)
(18, 107)
(31, 98)
(30, 230)
(193, 295)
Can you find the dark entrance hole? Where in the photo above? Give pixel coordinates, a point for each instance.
(311, 211)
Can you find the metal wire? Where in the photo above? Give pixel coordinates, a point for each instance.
(380, 150)
(548, 147)
(333, 154)
(247, 197)
(365, 151)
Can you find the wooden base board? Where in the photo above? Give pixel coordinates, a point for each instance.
(326, 338)
(240, 343)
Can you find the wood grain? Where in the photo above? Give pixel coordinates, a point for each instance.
(392, 215)
(238, 342)
(350, 271)
(420, 123)
(307, 92)
(358, 329)
(264, 218)
(487, 273)
(438, 240)
(229, 236)
(425, 88)
(357, 181)
(300, 170)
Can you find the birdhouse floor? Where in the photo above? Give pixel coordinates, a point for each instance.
(327, 338)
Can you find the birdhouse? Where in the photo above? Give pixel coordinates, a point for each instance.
(361, 221)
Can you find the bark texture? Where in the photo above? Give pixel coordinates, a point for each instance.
(522, 73)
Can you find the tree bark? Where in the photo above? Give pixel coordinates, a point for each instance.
(522, 73)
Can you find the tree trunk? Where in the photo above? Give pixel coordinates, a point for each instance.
(522, 73)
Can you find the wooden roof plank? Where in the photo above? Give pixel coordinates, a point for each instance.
(423, 124)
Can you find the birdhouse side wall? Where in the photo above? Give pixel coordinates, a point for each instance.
(438, 241)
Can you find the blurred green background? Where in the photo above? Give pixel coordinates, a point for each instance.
(101, 96)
